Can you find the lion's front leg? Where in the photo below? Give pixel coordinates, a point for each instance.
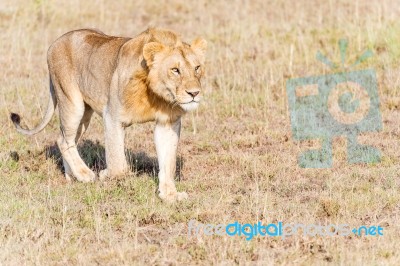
(115, 147)
(166, 137)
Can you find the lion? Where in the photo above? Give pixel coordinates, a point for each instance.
(154, 76)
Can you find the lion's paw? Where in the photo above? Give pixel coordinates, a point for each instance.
(173, 196)
(85, 176)
(106, 174)
(69, 177)
(103, 175)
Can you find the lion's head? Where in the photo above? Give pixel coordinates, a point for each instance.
(175, 72)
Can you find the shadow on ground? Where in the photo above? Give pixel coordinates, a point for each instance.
(93, 154)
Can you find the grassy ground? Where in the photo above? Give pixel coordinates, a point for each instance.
(238, 161)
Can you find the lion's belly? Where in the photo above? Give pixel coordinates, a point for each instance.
(97, 104)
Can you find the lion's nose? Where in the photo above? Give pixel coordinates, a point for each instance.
(193, 93)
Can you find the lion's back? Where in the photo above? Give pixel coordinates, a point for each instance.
(78, 46)
(85, 60)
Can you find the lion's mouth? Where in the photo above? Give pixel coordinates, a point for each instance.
(192, 101)
(189, 106)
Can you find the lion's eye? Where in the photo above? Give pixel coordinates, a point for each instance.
(175, 71)
(197, 69)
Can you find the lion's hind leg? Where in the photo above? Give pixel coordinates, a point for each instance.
(85, 121)
(74, 119)
(71, 130)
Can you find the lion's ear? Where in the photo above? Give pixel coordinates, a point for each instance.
(150, 50)
(199, 46)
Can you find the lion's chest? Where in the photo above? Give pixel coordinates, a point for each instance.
(141, 112)
(140, 106)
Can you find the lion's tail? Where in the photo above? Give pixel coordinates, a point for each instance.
(51, 106)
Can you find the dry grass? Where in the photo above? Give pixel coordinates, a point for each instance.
(238, 157)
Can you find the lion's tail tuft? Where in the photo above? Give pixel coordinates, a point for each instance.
(51, 106)
(15, 118)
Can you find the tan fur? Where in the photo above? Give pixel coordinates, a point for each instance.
(151, 77)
